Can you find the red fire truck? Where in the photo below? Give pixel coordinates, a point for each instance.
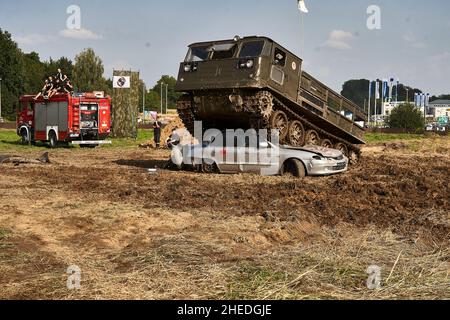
(82, 119)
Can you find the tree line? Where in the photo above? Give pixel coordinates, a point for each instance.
(25, 73)
(358, 92)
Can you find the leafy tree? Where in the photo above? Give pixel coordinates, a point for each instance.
(406, 116)
(35, 73)
(63, 63)
(12, 72)
(172, 96)
(152, 101)
(356, 91)
(407, 92)
(152, 98)
(88, 72)
(441, 97)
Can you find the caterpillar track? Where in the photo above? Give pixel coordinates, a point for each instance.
(265, 111)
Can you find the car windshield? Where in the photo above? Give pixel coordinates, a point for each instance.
(197, 54)
(251, 49)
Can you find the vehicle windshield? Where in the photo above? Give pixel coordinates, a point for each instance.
(222, 51)
(197, 54)
(251, 49)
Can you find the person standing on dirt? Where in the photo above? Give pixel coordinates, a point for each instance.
(157, 132)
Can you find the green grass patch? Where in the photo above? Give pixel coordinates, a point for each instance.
(10, 141)
(385, 137)
(4, 234)
(251, 281)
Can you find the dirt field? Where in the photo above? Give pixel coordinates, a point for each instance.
(191, 236)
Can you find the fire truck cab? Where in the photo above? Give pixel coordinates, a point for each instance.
(81, 119)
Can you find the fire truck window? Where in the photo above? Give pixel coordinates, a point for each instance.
(89, 116)
(280, 57)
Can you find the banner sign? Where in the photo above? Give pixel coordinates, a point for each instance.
(121, 82)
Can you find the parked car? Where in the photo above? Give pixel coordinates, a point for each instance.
(266, 159)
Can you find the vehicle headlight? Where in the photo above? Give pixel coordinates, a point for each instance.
(187, 68)
(246, 64)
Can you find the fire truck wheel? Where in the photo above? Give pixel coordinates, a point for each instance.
(24, 136)
(53, 140)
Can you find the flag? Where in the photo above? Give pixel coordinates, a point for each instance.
(302, 6)
(396, 90)
(422, 100)
(416, 100)
(391, 88)
(370, 89)
(377, 90)
(385, 89)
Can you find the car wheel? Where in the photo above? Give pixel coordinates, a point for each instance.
(342, 148)
(312, 137)
(294, 168)
(296, 134)
(327, 144)
(280, 121)
(53, 140)
(208, 168)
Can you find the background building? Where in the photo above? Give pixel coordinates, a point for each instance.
(440, 108)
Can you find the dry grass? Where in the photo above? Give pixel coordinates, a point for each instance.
(134, 243)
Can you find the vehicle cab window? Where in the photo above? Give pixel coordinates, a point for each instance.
(26, 106)
(222, 51)
(197, 54)
(251, 49)
(279, 57)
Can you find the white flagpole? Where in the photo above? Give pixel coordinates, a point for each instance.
(370, 96)
(302, 8)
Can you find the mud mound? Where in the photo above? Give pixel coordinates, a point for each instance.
(174, 124)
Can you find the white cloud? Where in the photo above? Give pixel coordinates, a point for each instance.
(338, 39)
(34, 39)
(80, 34)
(413, 42)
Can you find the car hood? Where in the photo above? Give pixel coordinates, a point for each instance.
(321, 151)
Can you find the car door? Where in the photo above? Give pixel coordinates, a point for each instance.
(225, 156)
(262, 159)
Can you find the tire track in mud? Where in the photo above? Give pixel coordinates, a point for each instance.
(406, 195)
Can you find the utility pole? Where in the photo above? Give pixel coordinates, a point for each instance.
(167, 94)
(143, 104)
(162, 83)
(370, 96)
(1, 119)
(407, 95)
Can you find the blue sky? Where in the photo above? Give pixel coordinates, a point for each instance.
(151, 36)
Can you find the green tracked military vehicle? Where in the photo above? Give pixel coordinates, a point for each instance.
(254, 82)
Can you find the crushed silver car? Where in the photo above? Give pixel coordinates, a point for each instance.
(266, 159)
